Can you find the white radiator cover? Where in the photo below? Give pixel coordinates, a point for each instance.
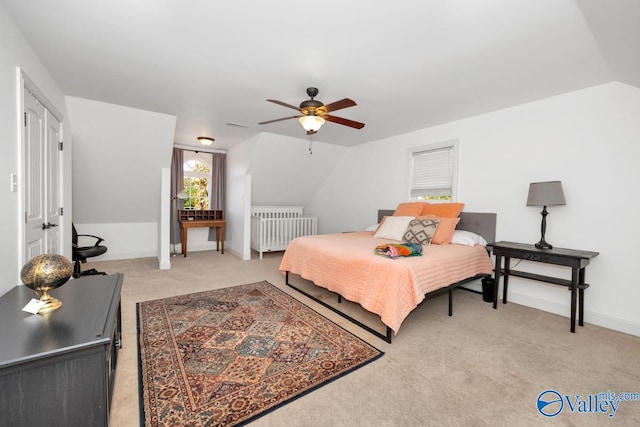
(273, 227)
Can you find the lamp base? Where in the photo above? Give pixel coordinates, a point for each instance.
(543, 245)
(51, 303)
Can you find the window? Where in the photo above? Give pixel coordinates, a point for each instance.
(434, 172)
(197, 182)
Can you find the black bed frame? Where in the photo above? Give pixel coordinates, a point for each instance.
(483, 224)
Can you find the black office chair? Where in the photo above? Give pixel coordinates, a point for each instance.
(81, 253)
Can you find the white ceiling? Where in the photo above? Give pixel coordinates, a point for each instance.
(408, 64)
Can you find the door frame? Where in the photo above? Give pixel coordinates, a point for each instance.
(26, 84)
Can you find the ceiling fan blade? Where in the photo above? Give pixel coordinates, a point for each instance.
(339, 105)
(278, 120)
(284, 104)
(342, 121)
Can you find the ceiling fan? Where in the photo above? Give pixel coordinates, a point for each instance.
(313, 113)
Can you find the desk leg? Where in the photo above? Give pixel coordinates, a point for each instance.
(183, 240)
(581, 298)
(496, 282)
(222, 240)
(217, 239)
(575, 273)
(507, 266)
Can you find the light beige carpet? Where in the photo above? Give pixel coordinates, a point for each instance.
(479, 367)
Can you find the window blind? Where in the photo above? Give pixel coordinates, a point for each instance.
(432, 172)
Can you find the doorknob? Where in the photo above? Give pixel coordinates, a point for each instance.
(48, 226)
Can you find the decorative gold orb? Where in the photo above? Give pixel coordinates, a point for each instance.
(44, 273)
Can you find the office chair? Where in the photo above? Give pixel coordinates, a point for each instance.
(81, 253)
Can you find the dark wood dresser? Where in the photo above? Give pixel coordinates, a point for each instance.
(59, 368)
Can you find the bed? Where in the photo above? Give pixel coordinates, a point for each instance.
(345, 264)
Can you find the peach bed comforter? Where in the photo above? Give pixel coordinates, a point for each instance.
(346, 264)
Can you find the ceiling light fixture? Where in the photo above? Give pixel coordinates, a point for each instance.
(205, 140)
(311, 123)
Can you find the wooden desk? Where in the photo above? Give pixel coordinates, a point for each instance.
(201, 218)
(575, 259)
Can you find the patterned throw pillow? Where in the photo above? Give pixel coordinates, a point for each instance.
(421, 231)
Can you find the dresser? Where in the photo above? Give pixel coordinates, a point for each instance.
(59, 368)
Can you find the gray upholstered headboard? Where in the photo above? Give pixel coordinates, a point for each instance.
(481, 223)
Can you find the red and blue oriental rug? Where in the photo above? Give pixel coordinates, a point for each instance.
(228, 356)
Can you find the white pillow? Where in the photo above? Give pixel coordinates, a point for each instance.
(373, 227)
(461, 237)
(393, 227)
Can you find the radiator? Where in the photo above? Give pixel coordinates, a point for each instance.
(273, 227)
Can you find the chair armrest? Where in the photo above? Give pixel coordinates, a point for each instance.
(98, 239)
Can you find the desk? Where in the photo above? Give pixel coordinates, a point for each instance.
(575, 259)
(201, 218)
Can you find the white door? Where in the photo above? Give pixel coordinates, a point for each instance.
(52, 196)
(41, 179)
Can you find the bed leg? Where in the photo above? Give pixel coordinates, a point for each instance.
(450, 302)
(339, 299)
(286, 278)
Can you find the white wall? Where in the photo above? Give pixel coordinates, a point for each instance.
(587, 139)
(285, 173)
(238, 198)
(118, 157)
(164, 222)
(16, 52)
(272, 170)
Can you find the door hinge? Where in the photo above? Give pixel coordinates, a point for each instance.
(25, 119)
(61, 211)
(25, 217)
(60, 145)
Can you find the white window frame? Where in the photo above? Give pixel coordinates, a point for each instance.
(454, 145)
(198, 157)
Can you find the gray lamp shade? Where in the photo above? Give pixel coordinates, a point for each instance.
(547, 193)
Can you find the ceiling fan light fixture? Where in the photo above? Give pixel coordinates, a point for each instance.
(205, 140)
(311, 123)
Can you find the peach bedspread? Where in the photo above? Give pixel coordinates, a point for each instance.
(345, 264)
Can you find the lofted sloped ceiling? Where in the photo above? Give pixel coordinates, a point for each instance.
(408, 65)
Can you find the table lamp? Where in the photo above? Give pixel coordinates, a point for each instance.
(545, 194)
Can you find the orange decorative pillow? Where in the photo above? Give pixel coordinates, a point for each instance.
(443, 210)
(444, 232)
(410, 209)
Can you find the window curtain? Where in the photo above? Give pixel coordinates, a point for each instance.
(218, 172)
(177, 184)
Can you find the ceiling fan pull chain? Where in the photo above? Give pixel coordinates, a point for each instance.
(310, 145)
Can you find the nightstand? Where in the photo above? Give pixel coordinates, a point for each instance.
(575, 259)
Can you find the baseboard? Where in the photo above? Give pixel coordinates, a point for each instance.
(164, 265)
(604, 320)
(239, 255)
(113, 256)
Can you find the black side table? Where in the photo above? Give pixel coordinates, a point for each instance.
(575, 259)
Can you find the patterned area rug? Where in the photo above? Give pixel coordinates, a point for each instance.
(227, 356)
